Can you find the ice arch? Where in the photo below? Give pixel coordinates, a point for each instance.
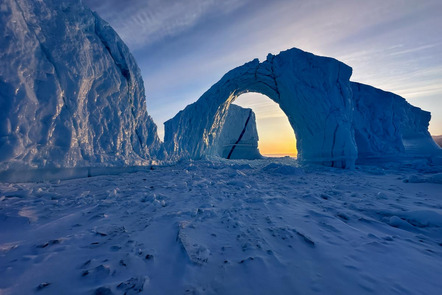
(314, 92)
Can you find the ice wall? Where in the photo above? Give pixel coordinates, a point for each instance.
(238, 138)
(314, 92)
(71, 93)
(386, 125)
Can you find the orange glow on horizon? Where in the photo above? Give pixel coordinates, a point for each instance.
(276, 137)
(277, 149)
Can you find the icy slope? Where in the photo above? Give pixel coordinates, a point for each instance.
(386, 124)
(71, 93)
(214, 228)
(239, 138)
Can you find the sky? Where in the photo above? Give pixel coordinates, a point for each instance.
(183, 47)
(276, 136)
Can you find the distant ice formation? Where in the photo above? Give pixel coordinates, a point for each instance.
(238, 138)
(335, 121)
(71, 94)
(387, 125)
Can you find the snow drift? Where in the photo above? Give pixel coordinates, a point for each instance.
(71, 94)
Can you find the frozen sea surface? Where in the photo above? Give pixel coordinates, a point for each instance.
(226, 227)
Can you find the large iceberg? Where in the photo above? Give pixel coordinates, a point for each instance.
(314, 92)
(71, 93)
(335, 121)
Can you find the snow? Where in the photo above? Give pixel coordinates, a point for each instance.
(71, 94)
(434, 178)
(225, 227)
(72, 107)
(282, 169)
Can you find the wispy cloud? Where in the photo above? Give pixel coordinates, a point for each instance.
(183, 47)
(144, 22)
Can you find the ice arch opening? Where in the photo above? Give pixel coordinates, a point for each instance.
(314, 92)
(276, 137)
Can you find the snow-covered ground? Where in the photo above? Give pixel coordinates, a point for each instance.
(226, 227)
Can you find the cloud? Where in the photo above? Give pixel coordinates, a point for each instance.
(141, 23)
(183, 47)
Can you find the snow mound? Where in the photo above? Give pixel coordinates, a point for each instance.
(423, 218)
(71, 94)
(282, 169)
(435, 178)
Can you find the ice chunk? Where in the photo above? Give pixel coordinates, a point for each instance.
(238, 138)
(387, 125)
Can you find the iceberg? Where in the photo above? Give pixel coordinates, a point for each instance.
(335, 121)
(386, 125)
(238, 138)
(314, 92)
(71, 93)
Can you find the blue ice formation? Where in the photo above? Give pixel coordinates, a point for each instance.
(71, 93)
(336, 122)
(239, 137)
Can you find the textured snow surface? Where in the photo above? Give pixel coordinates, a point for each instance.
(228, 227)
(314, 92)
(238, 138)
(71, 94)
